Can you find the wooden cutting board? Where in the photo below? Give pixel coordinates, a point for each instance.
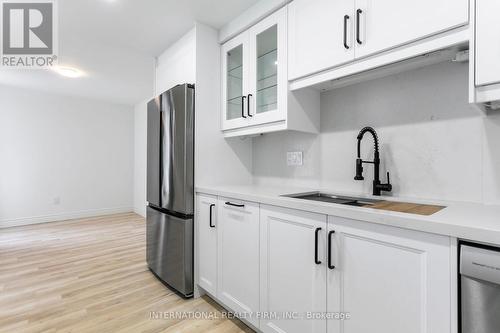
(406, 207)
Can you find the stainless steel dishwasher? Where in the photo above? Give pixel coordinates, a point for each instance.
(479, 288)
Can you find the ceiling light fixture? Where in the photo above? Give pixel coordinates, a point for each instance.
(68, 71)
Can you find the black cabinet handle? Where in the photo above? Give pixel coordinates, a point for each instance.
(330, 266)
(235, 205)
(346, 18)
(358, 19)
(211, 225)
(248, 105)
(243, 106)
(316, 234)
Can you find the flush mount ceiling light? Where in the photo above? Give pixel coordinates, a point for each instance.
(68, 71)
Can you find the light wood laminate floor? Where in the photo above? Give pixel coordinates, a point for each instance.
(90, 275)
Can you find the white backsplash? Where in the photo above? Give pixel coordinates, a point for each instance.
(433, 142)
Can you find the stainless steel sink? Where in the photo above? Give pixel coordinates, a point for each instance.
(333, 198)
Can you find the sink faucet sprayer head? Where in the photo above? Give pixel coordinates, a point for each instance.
(359, 170)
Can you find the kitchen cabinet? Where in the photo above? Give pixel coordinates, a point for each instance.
(388, 279)
(292, 269)
(290, 265)
(320, 35)
(238, 257)
(484, 76)
(235, 80)
(484, 69)
(325, 34)
(206, 222)
(255, 94)
(487, 42)
(255, 74)
(268, 70)
(385, 24)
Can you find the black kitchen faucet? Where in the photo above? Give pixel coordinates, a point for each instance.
(378, 187)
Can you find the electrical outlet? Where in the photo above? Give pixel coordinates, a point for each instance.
(57, 200)
(294, 158)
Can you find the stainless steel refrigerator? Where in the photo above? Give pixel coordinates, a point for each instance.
(170, 187)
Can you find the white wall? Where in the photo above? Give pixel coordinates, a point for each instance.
(195, 58)
(140, 157)
(218, 160)
(434, 143)
(62, 157)
(177, 64)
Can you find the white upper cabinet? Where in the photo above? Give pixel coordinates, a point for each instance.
(255, 94)
(484, 70)
(255, 75)
(235, 81)
(324, 34)
(206, 222)
(388, 279)
(385, 24)
(292, 269)
(320, 35)
(268, 84)
(487, 65)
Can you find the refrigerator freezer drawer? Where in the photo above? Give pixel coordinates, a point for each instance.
(170, 249)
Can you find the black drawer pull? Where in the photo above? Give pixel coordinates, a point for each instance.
(248, 105)
(235, 205)
(346, 18)
(358, 28)
(243, 106)
(330, 266)
(316, 260)
(211, 225)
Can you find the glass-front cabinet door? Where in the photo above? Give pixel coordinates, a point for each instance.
(254, 75)
(235, 82)
(268, 70)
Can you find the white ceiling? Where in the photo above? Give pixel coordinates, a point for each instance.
(115, 41)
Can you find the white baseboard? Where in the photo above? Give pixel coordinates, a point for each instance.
(63, 216)
(140, 211)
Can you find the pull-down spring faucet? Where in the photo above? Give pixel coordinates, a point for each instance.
(378, 187)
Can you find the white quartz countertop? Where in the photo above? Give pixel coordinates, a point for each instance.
(475, 222)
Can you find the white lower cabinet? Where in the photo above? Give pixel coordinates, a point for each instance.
(293, 271)
(238, 257)
(297, 272)
(206, 222)
(389, 280)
